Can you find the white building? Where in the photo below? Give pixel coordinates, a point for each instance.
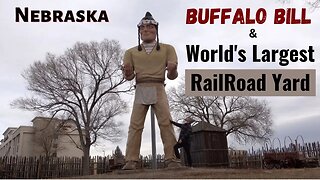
(53, 137)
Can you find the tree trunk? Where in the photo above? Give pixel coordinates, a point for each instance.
(86, 160)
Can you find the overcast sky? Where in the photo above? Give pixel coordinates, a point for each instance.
(22, 43)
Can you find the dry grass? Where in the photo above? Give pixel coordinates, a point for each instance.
(200, 173)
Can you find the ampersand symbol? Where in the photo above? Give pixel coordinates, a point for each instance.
(253, 33)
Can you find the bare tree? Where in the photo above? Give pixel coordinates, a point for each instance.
(245, 118)
(83, 84)
(312, 3)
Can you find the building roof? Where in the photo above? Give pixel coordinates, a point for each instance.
(204, 126)
(44, 118)
(9, 130)
(38, 118)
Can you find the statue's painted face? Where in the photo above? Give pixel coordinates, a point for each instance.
(148, 32)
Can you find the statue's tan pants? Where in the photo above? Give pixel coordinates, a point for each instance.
(139, 111)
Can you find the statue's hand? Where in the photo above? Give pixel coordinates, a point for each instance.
(172, 70)
(127, 70)
(171, 67)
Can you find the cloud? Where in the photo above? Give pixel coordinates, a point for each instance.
(307, 127)
(24, 43)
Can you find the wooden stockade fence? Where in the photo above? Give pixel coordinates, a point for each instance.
(57, 167)
(244, 159)
(255, 158)
(146, 162)
(53, 167)
(48, 167)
